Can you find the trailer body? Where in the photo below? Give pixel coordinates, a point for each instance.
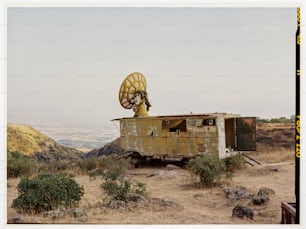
(177, 137)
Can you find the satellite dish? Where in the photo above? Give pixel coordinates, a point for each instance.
(133, 94)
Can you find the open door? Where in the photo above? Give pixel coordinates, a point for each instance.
(246, 133)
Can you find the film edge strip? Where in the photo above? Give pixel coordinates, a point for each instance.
(297, 119)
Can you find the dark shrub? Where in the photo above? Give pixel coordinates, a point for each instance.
(116, 186)
(234, 162)
(18, 165)
(207, 168)
(47, 192)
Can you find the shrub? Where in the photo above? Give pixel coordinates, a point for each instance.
(114, 168)
(18, 165)
(116, 186)
(53, 167)
(117, 189)
(207, 168)
(87, 164)
(47, 192)
(234, 162)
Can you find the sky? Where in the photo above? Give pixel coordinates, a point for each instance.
(66, 65)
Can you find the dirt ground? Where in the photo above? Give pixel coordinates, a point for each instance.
(183, 202)
(178, 201)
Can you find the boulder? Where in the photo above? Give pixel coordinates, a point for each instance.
(265, 191)
(260, 199)
(242, 211)
(237, 193)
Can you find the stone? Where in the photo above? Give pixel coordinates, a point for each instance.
(136, 198)
(237, 193)
(83, 219)
(77, 212)
(260, 199)
(15, 220)
(171, 167)
(265, 191)
(117, 204)
(242, 211)
(62, 214)
(198, 195)
(49, 214)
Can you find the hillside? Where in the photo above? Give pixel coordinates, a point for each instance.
(30, 142)
(275, 135)
(112, 147)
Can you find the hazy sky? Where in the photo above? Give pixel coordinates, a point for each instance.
(65, 65)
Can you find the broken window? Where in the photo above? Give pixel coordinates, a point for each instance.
(175, 125)
(209, 122)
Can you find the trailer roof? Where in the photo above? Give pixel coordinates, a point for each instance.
(207, 115)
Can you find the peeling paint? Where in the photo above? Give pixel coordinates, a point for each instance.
(176, 136)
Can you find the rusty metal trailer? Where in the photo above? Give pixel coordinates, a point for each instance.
(178, 137)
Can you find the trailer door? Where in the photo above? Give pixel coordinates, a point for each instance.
(246, 133)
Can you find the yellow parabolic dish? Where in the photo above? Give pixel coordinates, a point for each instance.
(133, 82)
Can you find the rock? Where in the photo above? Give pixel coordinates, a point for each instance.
(238, 193)
(260, 199)
(116, 204)
(198, 195)
(265, 191)
(262, 196)
(61, 214)
(136, 198)
(77, 212)
(267, 214)
(15, 220)
(83, 219)
(242, 211)
(274, 169)
(49, 214)
(55, 214)
(163, 204)
(171, 167)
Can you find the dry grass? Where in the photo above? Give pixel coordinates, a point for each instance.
(274, 154)
(179, 201)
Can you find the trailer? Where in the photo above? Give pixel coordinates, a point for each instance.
(179, 137)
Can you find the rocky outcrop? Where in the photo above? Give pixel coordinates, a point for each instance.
(110, 148)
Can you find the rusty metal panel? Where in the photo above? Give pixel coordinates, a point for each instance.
(246, 133)
(230, 136)
(173, 136)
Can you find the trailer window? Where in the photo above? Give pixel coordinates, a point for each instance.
(209, 122)
(175, 125)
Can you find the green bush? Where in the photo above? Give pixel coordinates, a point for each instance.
(207, 168)
(116, 186)
(117, 189)
(47, 192)
(18, 165)
(234, 162)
